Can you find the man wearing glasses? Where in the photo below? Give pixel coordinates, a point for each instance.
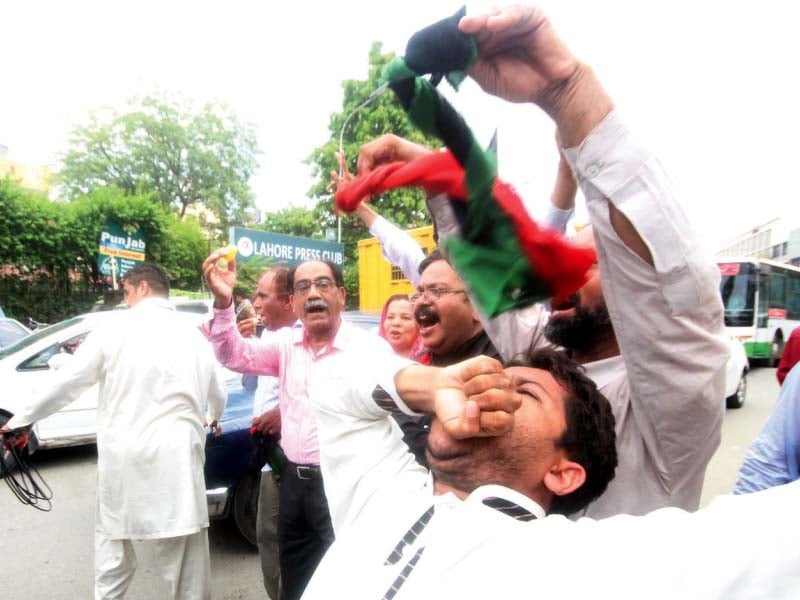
(449, 326)
(315, 359)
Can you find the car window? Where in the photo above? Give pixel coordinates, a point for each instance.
(39, 360)
(11, 331)
(38, 335)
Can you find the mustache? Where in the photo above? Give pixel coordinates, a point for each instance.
(426, 315)
(315, 304)
(570, 302)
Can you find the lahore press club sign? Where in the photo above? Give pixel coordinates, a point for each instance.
(120, 249)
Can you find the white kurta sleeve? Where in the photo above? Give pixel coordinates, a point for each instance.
(361, 446)
(217, 394)
(557, 218)
(399, 248)
(668, 319)
(68, 383)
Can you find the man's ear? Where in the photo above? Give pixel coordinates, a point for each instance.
(146, 289)
(287, 302)
(564, 477)
(341, 291)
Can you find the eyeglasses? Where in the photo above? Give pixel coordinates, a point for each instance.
(432, 294)
(323, 284)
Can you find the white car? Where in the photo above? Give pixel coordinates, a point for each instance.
(11, 330)
(27, 366)
(736, 375)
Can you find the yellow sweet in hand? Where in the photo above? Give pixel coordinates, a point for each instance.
(230, 252)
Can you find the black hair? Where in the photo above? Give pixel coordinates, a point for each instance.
(431, 258)
(589, 438)
(337, 273)
(154, 275)
(242, 292)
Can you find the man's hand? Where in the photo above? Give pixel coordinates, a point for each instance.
(216, 428)
(18, 439)
(247, 327)
(220, 281)
(522, 59)
(474, 398)
(386, 149)
(268, 423)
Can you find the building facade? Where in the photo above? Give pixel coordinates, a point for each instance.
(777, 240)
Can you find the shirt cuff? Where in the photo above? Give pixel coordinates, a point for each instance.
(608, 156)
(557, 218)
(223, 320)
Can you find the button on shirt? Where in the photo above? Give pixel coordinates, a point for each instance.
(287, 355)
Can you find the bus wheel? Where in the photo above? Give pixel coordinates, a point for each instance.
(775, 351)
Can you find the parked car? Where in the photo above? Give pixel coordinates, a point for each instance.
(736, 375)
(232, 487)
(365, 320)
(11, 330)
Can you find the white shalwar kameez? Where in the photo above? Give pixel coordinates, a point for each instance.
(156, 373)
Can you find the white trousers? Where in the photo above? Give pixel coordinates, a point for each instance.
(183, 561)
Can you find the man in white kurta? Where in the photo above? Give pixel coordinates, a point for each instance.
(156, 373)
(397, 537)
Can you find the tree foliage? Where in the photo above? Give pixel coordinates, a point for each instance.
(48, 250)
(187, 158)
(404, 207)
(295, 220)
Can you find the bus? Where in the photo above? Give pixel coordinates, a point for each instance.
(762, 304)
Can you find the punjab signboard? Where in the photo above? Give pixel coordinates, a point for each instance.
(120, 249)
(282, 249)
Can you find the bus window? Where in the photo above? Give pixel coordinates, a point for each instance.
(793, 298)
(777, 291)
(738, 296)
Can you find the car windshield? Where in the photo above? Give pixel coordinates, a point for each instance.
(38, 335)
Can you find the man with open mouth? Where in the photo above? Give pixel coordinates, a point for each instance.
(315, 359)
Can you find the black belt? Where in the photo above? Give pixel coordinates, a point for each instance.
(304, 471)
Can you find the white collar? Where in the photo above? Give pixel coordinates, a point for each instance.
(154, 301)
(604, 371)
(499, 491)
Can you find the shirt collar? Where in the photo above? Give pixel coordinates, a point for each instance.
(604, 371)
(154, 301)
(339, 340)
(499, 491)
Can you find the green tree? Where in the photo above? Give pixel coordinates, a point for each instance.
(181, 252)
(294, 220)
(405, 207)
(48, 249)
(188, 158)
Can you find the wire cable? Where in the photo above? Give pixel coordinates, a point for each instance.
(25, 482)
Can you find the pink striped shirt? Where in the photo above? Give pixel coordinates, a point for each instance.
(287, 355)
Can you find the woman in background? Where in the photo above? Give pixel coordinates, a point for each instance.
(399, 328)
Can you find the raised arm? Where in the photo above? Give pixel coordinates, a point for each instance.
(252, 355)
(660, 288)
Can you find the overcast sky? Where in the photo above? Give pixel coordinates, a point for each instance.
(711, 87)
